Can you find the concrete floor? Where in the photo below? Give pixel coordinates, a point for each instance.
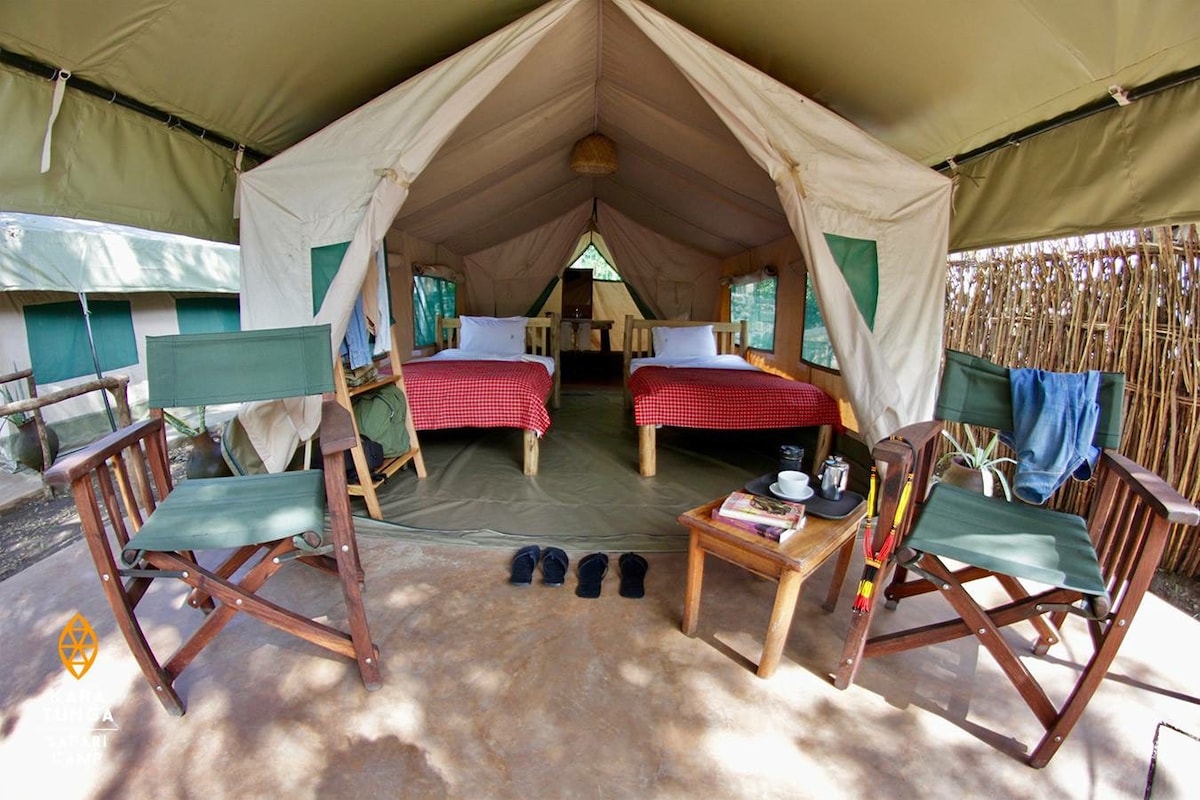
(493, 691)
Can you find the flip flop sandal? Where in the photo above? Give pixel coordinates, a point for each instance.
(633, 575)
(592, 569)
(523, 564)
(554, 566)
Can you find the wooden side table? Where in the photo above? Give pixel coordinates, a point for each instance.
(788, 564)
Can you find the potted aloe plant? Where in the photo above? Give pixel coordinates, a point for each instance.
(205, 460)
(975, 467)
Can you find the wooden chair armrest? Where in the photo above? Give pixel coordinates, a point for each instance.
(75, 465)
(1153, 490)
(894, 460)
(337, 427)
(918, 434)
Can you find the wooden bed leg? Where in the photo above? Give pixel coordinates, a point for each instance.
(824, 442)
(647, 460)
(531, 453)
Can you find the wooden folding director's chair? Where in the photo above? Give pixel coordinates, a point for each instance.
(1097, 570)
(140, 528)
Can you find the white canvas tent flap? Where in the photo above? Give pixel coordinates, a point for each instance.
(348, 182)
(819, 161)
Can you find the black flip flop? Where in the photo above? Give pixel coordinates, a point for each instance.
(523, 565)
(633, 575)
(554, 566)
(592, 569)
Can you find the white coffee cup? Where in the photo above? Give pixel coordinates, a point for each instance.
(792, 482)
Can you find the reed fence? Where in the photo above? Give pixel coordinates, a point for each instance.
(1125, 302)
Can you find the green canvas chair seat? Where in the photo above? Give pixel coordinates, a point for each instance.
(216, 513)
(1025, 541)
(223, 537)
(1051, 565)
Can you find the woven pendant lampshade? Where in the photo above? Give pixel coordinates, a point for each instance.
(594, 154)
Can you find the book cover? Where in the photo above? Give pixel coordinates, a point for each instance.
(766, 510)
(772, 532)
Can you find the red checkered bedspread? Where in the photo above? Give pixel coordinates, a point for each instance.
(728, 399)
(478, 394)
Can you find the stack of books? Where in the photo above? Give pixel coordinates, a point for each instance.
(768, 517)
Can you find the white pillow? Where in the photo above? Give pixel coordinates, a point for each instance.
(503, 336)
(686, 342)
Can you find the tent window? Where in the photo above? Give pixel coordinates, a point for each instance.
(58, 338)
(591, 259)
(755, 302)
(859, 262)
(325, 262)
(208, 314)
(431, 297)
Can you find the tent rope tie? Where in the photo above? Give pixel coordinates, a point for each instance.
(60, 89)
(876, 559)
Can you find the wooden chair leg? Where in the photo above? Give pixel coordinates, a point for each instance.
(119, 600)
(350, 574)
(853, 649)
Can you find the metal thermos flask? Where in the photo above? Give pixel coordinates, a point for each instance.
(834, 473)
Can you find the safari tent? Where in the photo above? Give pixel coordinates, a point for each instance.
(78, 298)
(506, 111)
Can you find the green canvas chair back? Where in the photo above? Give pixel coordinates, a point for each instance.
(238, 366)
(976, 391)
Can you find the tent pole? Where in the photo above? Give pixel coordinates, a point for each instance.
(87, 323)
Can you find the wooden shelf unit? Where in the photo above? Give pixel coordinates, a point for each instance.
(368, 490)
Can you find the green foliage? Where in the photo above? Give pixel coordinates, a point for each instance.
(190, 431)
(17, 418)
(431, 296)
(755, 303)
(815, 347)
(601, 269)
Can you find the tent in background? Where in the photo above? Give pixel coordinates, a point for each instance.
(135, 283)
(485, 136)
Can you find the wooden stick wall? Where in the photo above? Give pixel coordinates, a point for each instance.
(1125, 302)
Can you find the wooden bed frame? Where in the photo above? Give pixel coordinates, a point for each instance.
(541, 339)
(731, 340)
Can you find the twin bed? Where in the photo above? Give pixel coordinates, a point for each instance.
(694, 375)
(488, 373)
(504, 372)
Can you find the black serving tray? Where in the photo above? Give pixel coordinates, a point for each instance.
(816, 505)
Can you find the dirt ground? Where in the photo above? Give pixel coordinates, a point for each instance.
(40, 528)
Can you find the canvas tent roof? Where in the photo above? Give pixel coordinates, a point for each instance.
(487, 134)
(932, 79)
(52, 254)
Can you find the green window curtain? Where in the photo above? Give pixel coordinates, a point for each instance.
(755, 303)
(208, 314)
(325, 262)
(58, 339)
(431, 297)
(859, 261)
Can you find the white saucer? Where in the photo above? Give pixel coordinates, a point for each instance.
(807, 493)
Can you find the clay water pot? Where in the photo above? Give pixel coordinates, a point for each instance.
(959, 474)
(29, 447)
(205, 460)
